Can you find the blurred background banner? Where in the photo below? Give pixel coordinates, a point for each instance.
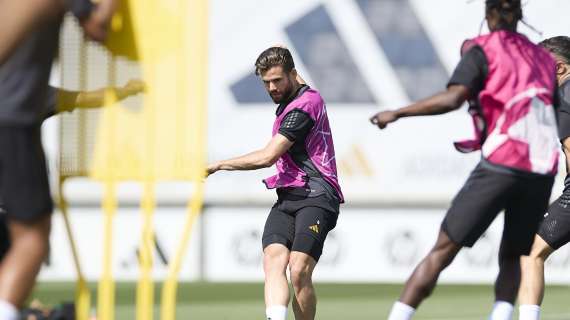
(364, 56)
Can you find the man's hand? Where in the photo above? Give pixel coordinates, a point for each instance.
(212, 168)
(383, 118)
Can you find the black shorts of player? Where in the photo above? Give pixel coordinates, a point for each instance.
(4, 234)
(301, 223)
(554, 228)
(487, 192)
(24, 186)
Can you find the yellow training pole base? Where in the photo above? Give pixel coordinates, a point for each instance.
(106, 290)
(145, 287)
(168, 305)
(82, 300)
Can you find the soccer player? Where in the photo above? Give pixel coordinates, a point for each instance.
(308, 192)
(510, 84)
(18, 18)
(24, 187)
(554, 230)
(60, 100)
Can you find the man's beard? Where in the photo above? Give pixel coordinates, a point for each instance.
(283, 97)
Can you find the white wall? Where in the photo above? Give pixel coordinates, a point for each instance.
(411, 165)
(367, 245)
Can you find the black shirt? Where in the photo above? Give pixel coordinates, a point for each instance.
(25, 75)
(564, 110)
(471, 71)
(564, 122)
(296, 125)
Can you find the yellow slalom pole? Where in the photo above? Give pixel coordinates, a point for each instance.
(82, 293)
(197, 55)
(145, 288)
(106, 290)
(168, 305)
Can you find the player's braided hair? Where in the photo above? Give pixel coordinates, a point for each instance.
(272, 57)
(560, 46)
(510, 11)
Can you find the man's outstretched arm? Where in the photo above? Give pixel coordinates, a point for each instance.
(443, 102)
(263, 158)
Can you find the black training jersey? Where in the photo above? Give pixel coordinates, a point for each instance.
(564, 110)
(564, 121)
(295, 127)
(25, 75)
(471, 71)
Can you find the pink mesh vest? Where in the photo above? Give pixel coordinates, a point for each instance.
(515, 125)
(318, 143)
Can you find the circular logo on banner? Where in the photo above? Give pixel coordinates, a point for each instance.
(482, 253)
(246, 247)
(332, 251)
(401, 248)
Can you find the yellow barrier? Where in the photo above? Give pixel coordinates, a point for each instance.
(163, 140)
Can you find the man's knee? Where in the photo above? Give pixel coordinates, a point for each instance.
(275, 258)
(301, 269)
(443, 252)
(540, 250)
(31, 235)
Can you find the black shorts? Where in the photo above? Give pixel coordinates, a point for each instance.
(301, 224)
(4, 235)
(488, 192)
(24, 186)
(554, 228)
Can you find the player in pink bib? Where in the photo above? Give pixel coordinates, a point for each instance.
(306, 182)
(510, 84)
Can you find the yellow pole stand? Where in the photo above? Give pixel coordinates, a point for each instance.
(106, 290)
(168, 305)
(145, 288)
(82, 293)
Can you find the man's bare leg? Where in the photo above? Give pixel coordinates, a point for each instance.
(531, 290)
(275, 261)
(301, 267)
(20, 266)
(424, 278)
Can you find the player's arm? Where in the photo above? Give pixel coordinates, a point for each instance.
(18, 18)
(467, 81)
(443, 102)
(263, 158)
(69, 100)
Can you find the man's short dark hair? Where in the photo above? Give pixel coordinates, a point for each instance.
(272, 57)
(560, 46)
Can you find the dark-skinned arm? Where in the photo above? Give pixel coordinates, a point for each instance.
(262, 158)
(443, 102)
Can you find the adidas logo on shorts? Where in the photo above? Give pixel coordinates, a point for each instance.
(315, 227)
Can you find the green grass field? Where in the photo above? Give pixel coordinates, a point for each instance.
(336, 301)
